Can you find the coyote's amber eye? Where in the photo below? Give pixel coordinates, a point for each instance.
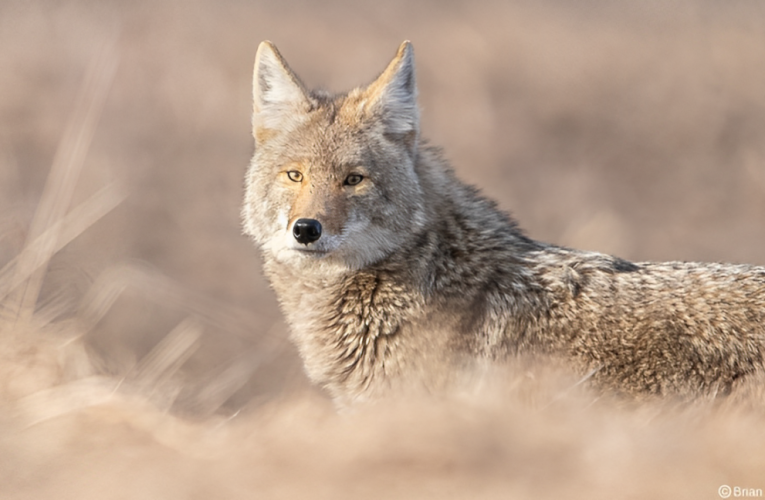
(295, 176)
(353, 179)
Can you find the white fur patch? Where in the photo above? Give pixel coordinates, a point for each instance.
(359, 245)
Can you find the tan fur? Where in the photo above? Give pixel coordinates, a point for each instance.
(418, 279)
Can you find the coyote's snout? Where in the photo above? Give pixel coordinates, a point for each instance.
(392, 273)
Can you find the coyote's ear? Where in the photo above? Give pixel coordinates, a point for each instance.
(394, 95)
(277, 92)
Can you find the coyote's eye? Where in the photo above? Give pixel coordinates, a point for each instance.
(295, 176)
(353, 179)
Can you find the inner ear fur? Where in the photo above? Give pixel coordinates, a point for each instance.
(277, 92)
(394, 94)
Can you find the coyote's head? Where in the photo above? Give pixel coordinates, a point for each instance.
(333, 180)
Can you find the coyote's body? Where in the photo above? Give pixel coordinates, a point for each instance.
(393, 274)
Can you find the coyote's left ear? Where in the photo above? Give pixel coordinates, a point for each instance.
(278, 94)
(394, 95)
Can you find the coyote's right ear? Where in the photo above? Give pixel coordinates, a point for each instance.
(277, 92)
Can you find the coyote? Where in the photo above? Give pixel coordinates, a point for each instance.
(392, 273)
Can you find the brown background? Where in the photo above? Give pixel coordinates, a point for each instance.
(635, 128)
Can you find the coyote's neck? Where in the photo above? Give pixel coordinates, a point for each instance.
(360, 331)
(346, 326)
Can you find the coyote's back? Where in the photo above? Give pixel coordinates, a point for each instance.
(395, 275)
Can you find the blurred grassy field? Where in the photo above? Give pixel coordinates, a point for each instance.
(155, 362)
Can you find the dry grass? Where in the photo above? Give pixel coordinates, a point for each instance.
(142, 354)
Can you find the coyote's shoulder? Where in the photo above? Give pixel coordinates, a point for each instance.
(394, 274)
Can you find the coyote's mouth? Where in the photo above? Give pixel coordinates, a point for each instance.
(314, 252)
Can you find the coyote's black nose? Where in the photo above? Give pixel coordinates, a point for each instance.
(306, 230)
